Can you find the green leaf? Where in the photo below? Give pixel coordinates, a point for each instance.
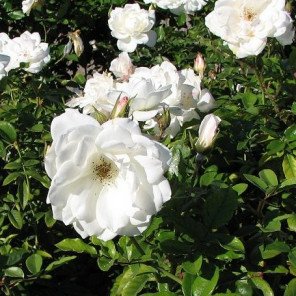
(129, 283)
(209, 176)
(292, 257)
(34, 263)
(79, 79)
(235, 245)
(243, 288)
(289, 166)
(269, 177)
(273, 249)
(289, 182)
(13, 165)
(290, 133)
(16, 219)
(293, 109)
(193, 267)
(16, 15)
(291, 288)
(7, 132)
(256, 181)
(105, 263)
(262, 285)
(76, 245)
(240, 188)
(24, 193)
(11, 177)
(275, 146)
(248, 99)
(203, 286)
(219, 207)
(14, 272)
(292, 223)
(181, 19)
(15, 256)
(62, 261)
(187, 283)
(49, 220)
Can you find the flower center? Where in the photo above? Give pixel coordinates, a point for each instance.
(248, 14)
(104, 170)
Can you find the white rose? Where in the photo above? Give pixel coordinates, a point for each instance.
(27, 5)
(107, 180)
(246, 24)
(207, 132)
(162, 75)
(27, 48)
(132, 25)
(122, 67)
(95, 95)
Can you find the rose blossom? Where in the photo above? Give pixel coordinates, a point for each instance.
(107, 180)
(95, 95)
(246, 24)
(132, 25)
(27, 48)
(122, 67)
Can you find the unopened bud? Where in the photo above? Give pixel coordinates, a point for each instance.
(199, 65)
(207, 132)
(77, 42)
(120, 107)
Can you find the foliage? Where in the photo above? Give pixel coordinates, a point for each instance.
(229, 228)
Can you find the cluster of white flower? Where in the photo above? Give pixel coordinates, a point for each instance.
(27, 48)
(149, 90)
(179, 6)
(108, 179)
(245, 25)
